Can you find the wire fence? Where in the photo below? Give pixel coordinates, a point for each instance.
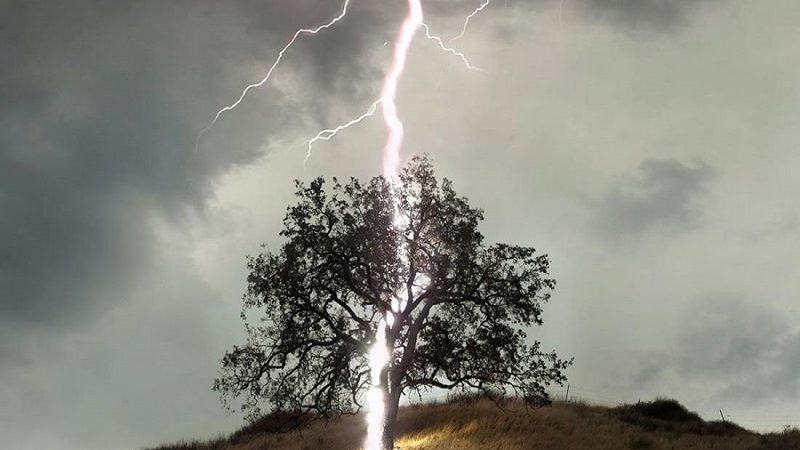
(765, 423)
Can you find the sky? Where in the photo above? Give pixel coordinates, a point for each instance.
(649, 147)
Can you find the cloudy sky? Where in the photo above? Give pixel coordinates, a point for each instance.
(648, 146)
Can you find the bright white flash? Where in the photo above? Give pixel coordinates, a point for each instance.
(378, 358)
(469, 17)
(391, 152)
(266, 78)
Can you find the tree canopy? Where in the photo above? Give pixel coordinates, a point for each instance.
(407, 251)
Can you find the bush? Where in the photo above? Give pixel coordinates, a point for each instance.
(661, 409)
(720, 428)
(788, 439)
(669, 415)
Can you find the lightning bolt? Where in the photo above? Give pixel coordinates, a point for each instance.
(328, 134)
(391, 152)
(447, 49)
(469, 17)
(272, 68)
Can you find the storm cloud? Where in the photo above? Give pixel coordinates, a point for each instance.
(101, 105)
(642, 14)
(661, 197)
(654, 15)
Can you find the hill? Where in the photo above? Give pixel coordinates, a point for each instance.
(480, 424)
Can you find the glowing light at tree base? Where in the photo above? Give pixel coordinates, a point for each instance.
(376, 404)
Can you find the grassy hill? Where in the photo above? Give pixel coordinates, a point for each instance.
(480, 424)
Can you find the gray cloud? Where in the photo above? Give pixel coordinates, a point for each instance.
(763, 358)
(744, 352)
(724, 337)
(661, 198)
(641, 14)
(781, 227)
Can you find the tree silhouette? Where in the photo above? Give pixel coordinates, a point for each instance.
(407, 251)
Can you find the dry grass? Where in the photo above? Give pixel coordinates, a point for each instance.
(482, 425)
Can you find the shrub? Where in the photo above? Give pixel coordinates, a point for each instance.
(662, 409)
(669, 415)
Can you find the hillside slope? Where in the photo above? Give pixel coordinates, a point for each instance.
(662, 424)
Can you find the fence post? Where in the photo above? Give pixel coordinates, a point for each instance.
(723, 416)
(566, 396)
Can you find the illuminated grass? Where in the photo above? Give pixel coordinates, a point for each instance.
(482, 425)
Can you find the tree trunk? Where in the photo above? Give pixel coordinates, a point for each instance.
(390, 420)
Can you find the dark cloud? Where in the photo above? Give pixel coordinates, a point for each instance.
(334, 61)
(660, 198)
(640, 14)
(91, 141)
(636, 14)
(101, 104)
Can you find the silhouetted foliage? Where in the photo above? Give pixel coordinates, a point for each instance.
(662, 409)
(788, 439)
(669, 415)
(460, 306)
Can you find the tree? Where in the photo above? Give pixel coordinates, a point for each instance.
(406, 251)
